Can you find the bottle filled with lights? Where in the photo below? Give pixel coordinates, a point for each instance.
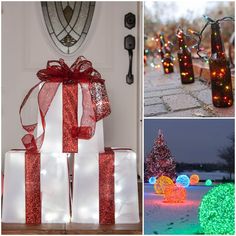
(185, 60)
(146, 52)
(166, 57)
(222, 92)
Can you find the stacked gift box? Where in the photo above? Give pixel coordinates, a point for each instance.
(72, 103)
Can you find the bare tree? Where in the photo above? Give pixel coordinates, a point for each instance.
(227, 154)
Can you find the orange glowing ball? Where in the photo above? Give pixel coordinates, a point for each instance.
(175, 193)
(194, 179)
(161, 183)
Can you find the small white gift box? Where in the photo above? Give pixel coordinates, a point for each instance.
(54, 187)
(86, 205)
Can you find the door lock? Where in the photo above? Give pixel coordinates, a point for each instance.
(130, 20)
(129, 44)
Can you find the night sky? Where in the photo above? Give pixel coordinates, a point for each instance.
(190, 140)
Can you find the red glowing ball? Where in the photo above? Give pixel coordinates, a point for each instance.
(175, 194)
(194, 179)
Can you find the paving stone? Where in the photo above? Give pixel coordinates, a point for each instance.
(205, 73)
(196, 86)
(162, 93)
(196, 70)
(154, 110)
(222, 112)
(204, 96)
(188, 113)
(152, 101)
(180, 102)
(162, 87)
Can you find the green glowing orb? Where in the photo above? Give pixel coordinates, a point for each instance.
(216, 211)
(208, 182)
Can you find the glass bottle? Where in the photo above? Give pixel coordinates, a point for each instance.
(221, 84)
(185, 60)
(166, 57)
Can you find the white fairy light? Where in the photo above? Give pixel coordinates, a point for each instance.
(43, 172)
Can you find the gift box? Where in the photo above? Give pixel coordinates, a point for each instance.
(36, 188)
(105, 187)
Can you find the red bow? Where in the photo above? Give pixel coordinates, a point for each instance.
(58, 71)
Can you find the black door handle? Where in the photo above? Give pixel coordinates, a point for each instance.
(129, 44)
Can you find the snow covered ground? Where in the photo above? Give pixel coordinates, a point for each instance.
(207, 175)
(167, 218)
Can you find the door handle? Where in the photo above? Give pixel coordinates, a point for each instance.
(129, 44)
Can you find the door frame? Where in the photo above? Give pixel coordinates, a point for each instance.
(140, 73)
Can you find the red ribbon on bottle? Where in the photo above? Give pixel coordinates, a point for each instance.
(95, 107)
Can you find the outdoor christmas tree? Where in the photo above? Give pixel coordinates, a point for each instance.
(159, 161)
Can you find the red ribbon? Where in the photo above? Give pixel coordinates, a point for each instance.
(32, 188)
(106, 187)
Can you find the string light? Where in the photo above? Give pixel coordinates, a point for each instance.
(183, 180)
(175, 193)
(194, 179)
(208, 182)
(152, 180)
(161, 183)
(216, 211)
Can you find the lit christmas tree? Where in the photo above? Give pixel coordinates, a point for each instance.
(160, 161)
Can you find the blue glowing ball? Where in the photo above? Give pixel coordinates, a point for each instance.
(152, 180)
(183, 180)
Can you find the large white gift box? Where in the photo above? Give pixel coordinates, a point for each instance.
(54, 186)
(85, 204)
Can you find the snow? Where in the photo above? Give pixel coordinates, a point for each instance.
(214, 175)
(173, 218)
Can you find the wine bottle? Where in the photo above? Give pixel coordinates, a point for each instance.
(166, 57)
(221, 83)
(185, 60)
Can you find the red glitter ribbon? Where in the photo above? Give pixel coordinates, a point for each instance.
(106, 187)
(32, 188)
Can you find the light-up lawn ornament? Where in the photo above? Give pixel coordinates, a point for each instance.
(161, 183)
(208, 182)
(216, 211)
(175, 193)
(194, 179)
(183, 180)
(152, 180)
